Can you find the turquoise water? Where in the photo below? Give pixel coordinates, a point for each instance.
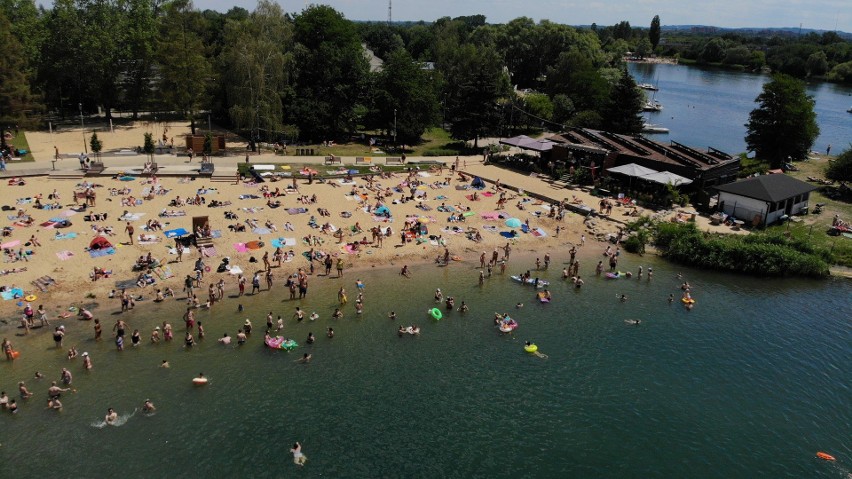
(752, 382)
(710, 107)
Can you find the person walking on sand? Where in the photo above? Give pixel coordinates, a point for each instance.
(339, 267)
(129, 228)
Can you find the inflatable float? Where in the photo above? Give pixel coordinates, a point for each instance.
(541, 283)
(542, 297)
(31, 298)
(278, 342)
(199, 381)
(825, 456)
(687, 300)
(616, 275)
(314, 316)
(436, 313)
(508, 325)
(531, 348)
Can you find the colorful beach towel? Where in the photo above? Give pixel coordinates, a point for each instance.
(10, 244)
(13, 293)
(539, 233)
(97, 253)
(64, 255)
(296, 211)
(240, 247)
(216, 234)
(164, 272)
(175, 233)
(208, 251)
(65, 236)
(282, 242)
(261, 231)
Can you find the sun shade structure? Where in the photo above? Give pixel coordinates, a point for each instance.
(632, 169)
(667, 178)
(527, 143)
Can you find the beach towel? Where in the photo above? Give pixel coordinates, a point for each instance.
(65, 236)
(240, 247)
(149, 239)
(261, 231)
(490, 216)
(507, 234)
(539, 233)
(64, 255)
(382, 219)
(208, 251)
(126, 284)
(423, 174)
(249, 197)
(525, 228)
(440, 197)
(131, 217)
(97, 253)
(296, 211)
(488, 194)
(216, 234)
(282, 242)
(164, 272)
(46, 224)
(235, 270)
(470, 197)
(254, 245)
(13, 293)
(348, 249)
(175, 233)
(10, 244)
(69, 213)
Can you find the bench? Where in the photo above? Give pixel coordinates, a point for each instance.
(330, 160)
(304, 152)
(393, 160)
(360, 160)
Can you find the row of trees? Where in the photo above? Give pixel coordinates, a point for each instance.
(278, 76)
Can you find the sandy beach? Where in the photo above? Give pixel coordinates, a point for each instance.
(54, 269)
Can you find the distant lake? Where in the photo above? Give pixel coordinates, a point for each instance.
(710, 107)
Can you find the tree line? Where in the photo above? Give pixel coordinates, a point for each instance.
(305, 76)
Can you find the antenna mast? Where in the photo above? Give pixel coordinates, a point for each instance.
(390, 6)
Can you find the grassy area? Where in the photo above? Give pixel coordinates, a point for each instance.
(20, 143)
(815, 235)
(436, 142)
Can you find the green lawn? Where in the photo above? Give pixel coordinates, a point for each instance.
(20, 143)
(436, 142)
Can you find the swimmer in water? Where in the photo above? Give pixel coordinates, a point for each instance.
(54, 403)
(623, 298)
(111, 416)
(392, 316)
(148, 406)
(671, 298)
(164, 364)
(330, 333)
(298, 458)
(306, 358)
(519, 305)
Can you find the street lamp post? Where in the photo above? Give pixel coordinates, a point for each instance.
(83, 127)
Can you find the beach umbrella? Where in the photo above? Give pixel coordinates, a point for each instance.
(513, 223)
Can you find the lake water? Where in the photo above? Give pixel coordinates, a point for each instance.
(750, 383)
(710, 107)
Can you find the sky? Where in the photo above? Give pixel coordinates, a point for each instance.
(814, 14)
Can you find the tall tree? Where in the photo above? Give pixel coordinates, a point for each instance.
(185, 71)
(654, 32)
(331, 73)
(623, 111)
(475, 81)
(257, 60)
(405, 97)
(784, 125)
(15, 95)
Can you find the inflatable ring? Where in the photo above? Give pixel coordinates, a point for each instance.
(199, 381)
(436, 313)
(531, 348)
(688, 300)
(314, 316)
(16, 354)
(31, 298)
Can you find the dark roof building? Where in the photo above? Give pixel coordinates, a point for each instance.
(608, 150)
(764, 199)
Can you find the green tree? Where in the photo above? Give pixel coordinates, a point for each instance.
(331, 75)
(713, 51)
(406, 95)
(15, 95)
(137, 69)
(208, 143)
(622, 30)
(185, 71)
(257, 60)
(643, 48)
(475, 81)
(563, 109)
(840, 168)
(96, 144)
(539, 107)
(817, 63)
(148, 145)
(841, 72)
(654, 32)
(573, 74)
(784, 124)
(623, 111)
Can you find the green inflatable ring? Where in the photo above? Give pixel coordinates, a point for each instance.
(436, 313)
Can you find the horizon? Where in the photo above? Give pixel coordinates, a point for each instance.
(829, 15)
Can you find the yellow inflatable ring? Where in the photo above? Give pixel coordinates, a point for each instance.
(531, 348)
(31, 298)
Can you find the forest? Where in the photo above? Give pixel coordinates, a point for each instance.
(307, 76)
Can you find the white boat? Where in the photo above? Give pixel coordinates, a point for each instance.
(850, 109)
(652, 105)
(652, 128)
(647, 86)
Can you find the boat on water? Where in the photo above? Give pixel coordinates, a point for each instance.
(652, 128)
(647, 86)
(849, 110)
(652, 105)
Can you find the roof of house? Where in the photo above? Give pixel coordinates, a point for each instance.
(674, 153)
(771, 188)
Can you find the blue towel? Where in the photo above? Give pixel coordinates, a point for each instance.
(97, 253)
(175, 233)
(12, 293)
(507, 234)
